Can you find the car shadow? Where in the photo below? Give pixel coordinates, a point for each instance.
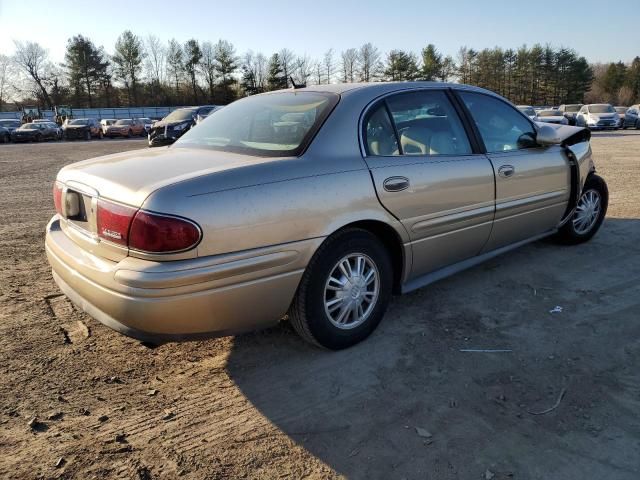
(408, 403)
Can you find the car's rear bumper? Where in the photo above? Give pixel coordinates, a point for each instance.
(184, 299)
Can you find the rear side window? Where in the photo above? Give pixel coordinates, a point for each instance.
(381, 139)
(426, 124)
(501, 127)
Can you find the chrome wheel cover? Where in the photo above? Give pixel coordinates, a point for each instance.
(351, 291)
(587, 212)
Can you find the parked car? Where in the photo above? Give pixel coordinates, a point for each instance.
(147, 122)
(597, 116)
(552, 116)
(33, 132)
(570, 111)
(176, 124)
(621, 111)
(10, 125)
(52, 124)
(632, 117)
(105, 122)
(83, 128)
(126, 127)
(318, 202)
(5, 135)
(529, 111)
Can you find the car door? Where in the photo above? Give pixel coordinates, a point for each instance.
(428, 176)
(533, 183)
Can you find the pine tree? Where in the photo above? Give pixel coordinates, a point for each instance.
(275, 78)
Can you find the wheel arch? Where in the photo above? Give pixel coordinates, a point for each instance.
(391, 241)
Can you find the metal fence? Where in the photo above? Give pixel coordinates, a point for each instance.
(100, 113)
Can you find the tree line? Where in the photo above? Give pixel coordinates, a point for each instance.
(149, 71)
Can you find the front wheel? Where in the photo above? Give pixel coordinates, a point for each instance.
(344, 291)
(589, 213)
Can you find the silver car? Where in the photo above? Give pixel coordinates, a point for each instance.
(319, 202)
(529, 111)
(632, 117)
(552, 116)
(597, 116)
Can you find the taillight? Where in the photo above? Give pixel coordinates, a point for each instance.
(57, 196)
(162, 234)
(113, 222)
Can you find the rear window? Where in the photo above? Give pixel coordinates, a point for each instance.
(276, 124)
(572, 108)
(124, 122)
(601, 108)
(79, 121)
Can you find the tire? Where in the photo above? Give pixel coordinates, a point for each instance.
(6, 138)
(309, 314)
(572, 232)
(129, 134)
(638, 124)
(88, 135)
(100, 135)
(38, 138)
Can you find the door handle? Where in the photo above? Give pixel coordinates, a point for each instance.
(396, 184)
(506, 171)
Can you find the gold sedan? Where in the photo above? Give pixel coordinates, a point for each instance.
(320, 203)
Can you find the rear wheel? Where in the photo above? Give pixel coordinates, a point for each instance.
(6, 138)
(589, 213)
(344, 291)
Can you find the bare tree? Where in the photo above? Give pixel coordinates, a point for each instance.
(328, 65)
(370, 65)
(208, 68)
(287, 61)
(33, 60)
(156, 59)
(6, 78)
(303, 70)
(350, 58)
(318, 72)
(175, 63)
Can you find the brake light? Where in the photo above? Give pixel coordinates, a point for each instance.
(162, 234)
(113, 221)
(57, 196)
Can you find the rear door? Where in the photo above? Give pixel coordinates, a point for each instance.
(427, 175)
(533, 183)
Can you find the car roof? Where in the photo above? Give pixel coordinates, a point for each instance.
(381, 88)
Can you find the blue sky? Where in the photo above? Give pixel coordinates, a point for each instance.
(596, 30)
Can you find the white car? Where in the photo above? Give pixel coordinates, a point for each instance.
(552, 116)
(529, 111)
(597, 116)
(105, 123)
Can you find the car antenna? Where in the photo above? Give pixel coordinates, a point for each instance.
(296, 85)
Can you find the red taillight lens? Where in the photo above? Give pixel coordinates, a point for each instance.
(57, 196)
(161, 234)
(113, 222)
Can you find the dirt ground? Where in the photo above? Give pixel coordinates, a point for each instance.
(81, 401)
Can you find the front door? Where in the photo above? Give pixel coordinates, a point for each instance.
(427, 176)
(533, 183)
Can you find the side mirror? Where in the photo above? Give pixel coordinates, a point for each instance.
(547, 135)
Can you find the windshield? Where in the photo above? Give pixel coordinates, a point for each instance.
(572, 108)
(621, 109)
(528, 111)
(550, 113)
(145, 120)
(278, 124)
(29, 126)
(124, 122)
(180, 115)
(601, 108)
(79, 121)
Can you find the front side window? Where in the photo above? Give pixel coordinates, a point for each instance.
(501, 127)
(275, 124)
(427, 124)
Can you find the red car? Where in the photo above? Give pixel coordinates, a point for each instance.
(126, 128)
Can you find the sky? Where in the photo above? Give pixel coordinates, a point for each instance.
(602, 31)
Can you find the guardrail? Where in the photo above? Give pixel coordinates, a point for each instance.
(100, 113)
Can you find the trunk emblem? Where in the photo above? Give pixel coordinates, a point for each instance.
(112, 234)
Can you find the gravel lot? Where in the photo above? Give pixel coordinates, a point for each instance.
(407, 403)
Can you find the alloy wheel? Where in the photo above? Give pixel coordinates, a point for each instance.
(587, 212)
(351, 291)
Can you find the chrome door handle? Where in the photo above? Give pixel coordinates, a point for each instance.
(506, 171)
(396, 184)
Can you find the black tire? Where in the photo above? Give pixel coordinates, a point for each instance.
(129, 134)
(638, 124)
(568, 234)
(100, 134)
(38, 138)
(6, 138)
(307, 312)
(88, 135)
